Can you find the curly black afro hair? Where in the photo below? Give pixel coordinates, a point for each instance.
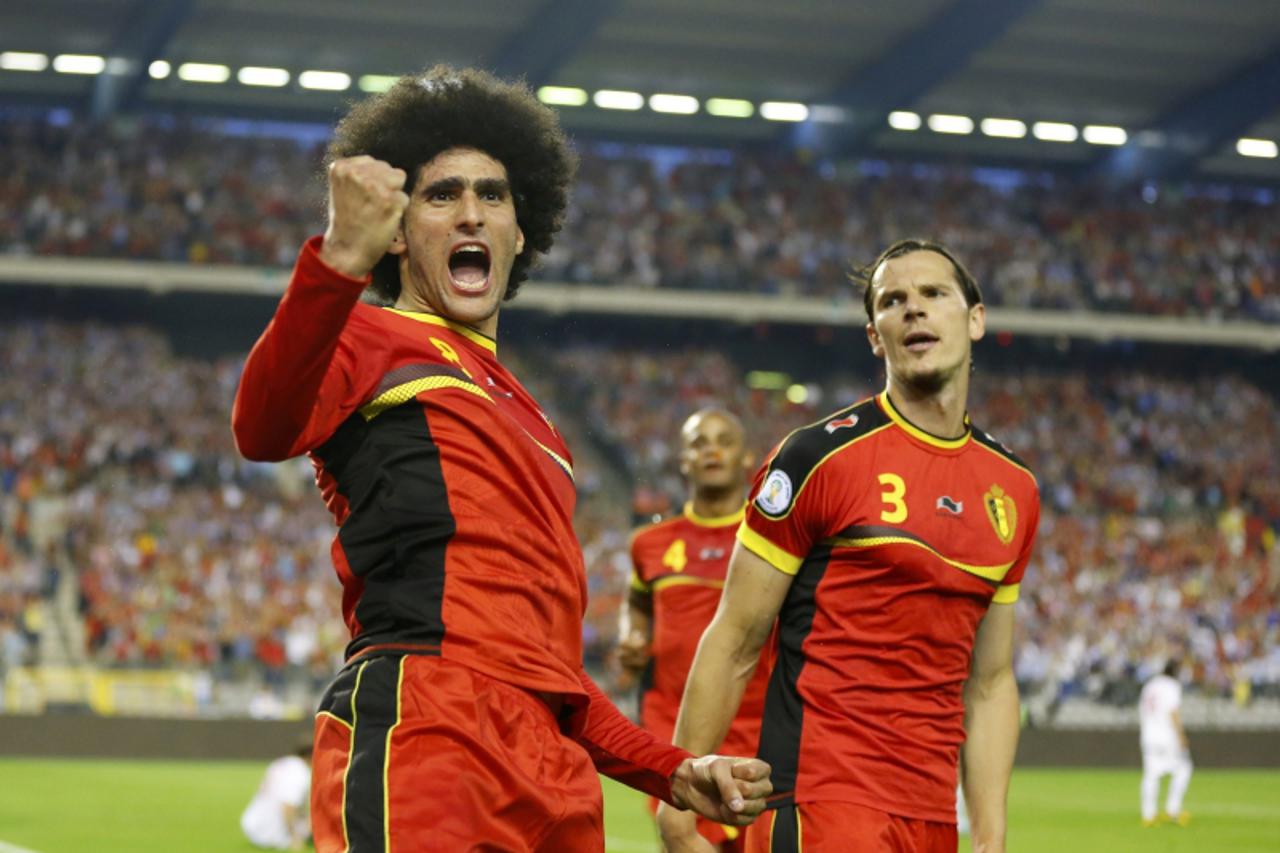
(425, 114)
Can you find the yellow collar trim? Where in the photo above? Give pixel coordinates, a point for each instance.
(467, 332)
(720, 521)
(915, 431)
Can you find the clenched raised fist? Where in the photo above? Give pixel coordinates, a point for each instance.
(366, 202)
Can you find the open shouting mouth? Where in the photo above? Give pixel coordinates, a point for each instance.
(469, 267)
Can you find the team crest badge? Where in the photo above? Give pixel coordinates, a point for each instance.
(1002, 512)
(775, 494)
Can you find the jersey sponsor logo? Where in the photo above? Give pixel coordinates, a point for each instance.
(951, 505)
(494, 385)
(1003, 446)
(841, 423)
(1002, 512)
(711, 554)
(775, 494)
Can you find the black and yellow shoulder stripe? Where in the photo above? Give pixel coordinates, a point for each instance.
(804, 451)
(989, 443)
(404, 383)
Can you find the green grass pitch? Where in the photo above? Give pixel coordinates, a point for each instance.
(53, 806)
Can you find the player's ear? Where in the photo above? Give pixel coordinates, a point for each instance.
(873, 337)
(977, 321)
(748, 461)
(399, 245)
(519, 240)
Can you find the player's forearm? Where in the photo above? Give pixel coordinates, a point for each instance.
(727, 656)
(991, 723)
(622, 750)
(1181, 732)
(636, 622)
(285, 370)
(635, 632)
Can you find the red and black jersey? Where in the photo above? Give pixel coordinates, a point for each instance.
(899, 542)
(680, 565)
(452, 491)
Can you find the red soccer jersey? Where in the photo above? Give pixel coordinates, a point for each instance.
(680, 563)
(452, 491)
(899, 542)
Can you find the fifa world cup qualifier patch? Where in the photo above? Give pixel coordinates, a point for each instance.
(1002, 513)
(775, 493)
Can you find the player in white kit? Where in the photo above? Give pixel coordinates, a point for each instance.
(276, 818)
(1164, 747)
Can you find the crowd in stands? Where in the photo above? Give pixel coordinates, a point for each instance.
(147, 190)
(1158, 537)
(184, 555)
(22, 604)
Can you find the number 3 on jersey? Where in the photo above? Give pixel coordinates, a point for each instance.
(675, 558)
(894, 496)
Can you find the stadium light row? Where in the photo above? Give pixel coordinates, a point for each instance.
(194, 72)
(619, 99)
(1010, 128)
(608, 99)
(1050, 131)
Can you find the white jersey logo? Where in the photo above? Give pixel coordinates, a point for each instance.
(775, 494)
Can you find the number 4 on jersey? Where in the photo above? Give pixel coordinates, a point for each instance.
(675, 558)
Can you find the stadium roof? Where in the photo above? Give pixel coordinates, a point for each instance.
(1184, 79)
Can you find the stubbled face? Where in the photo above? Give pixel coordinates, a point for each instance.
(459, 239)
(922, 327)
(713, 452)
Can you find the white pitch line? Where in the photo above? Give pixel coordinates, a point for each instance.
(6, 847)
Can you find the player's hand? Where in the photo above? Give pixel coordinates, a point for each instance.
(726, 790)
(366, 202)
(633, 651)
(679, 831)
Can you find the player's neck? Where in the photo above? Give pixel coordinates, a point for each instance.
(939, 412)
(716, 503)
(415, 304)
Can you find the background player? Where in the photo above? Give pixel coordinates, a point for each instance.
(678, 571)
(276, 817)
(463, 718)
(1165, 751)
(889, 541)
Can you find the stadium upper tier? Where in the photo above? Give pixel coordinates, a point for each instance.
(1161, 502)
(705, 221)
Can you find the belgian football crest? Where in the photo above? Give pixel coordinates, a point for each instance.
(1002, 512)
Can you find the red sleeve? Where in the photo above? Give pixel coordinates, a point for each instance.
(297, 382)
(622, 750)
(792, 507)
